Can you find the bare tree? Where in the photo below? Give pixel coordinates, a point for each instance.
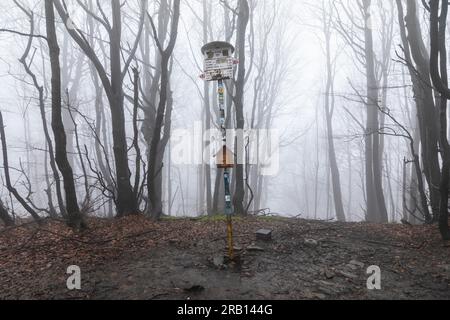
(377, 211)
(71, 77)
(113, 85)
(155, 197)
(426, 108)
(100, 130)
(26, 62)
(4, 216)
(207, 105)
(439, 76)
(238, 98)
(74, 216)
(329, 105)
(420, 91)
(358, 34)
(9, 185)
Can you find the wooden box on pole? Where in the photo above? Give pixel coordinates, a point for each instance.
(218, 61)
(225, 159)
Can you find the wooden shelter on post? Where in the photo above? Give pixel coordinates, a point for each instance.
(225, 159)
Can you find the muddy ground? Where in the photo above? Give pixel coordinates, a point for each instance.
(134, 258)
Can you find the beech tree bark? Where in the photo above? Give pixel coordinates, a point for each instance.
(421, 103)
(74, 216)
(155, 209)
(243, 19)
(439, 76)
(207, 110)
(426, 107)
(4, 216)
(329, 110)
(126, 201)
(376, 205)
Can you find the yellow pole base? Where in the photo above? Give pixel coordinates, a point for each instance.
(230, 238)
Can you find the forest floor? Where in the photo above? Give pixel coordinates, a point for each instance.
(134, 258)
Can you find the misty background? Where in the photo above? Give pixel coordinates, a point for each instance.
(286, 40)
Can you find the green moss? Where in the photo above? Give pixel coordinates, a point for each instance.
(216, 218)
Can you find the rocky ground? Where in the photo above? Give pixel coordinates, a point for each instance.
(134, 258)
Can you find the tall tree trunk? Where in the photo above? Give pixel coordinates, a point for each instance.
(316, 165)
(438, 25)
(4, 216)
(156, 151)
(51, 207)
(207, 111)
(350, 183)
(243, 19)
(423, 134)
(376, 210)
(40, 89)
(126, 199)
(113, 84)
(72, 84)
(425, 104)
(218, 192)
(74, 216)
(329, 110)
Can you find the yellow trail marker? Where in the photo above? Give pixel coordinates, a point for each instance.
(230, 237)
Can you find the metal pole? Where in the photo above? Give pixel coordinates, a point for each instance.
(226, 174)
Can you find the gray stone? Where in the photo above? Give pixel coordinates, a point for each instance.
(329, 274)
(313, 295)
(319, 296)
(264, 234)
(446, 267)
(357, 263)
(347, 275)
(254, 248)
(324, 283)
(311, 242)
(327, 290)
(352, 267)
(194, 289)
(219, 261)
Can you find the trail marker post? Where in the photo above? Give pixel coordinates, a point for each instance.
(219, 66)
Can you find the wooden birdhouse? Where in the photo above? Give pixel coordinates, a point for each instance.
(225, 159)
(218, 61)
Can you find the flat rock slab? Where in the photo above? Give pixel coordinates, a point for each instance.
(264, 234)
(255, 249)
(219, 261)
(311, 242)
(357, 264)
(347, 275)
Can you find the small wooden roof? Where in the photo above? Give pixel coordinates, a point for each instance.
(225, 158)
(217, 45)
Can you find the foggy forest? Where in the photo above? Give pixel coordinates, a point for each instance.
(224, 149)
